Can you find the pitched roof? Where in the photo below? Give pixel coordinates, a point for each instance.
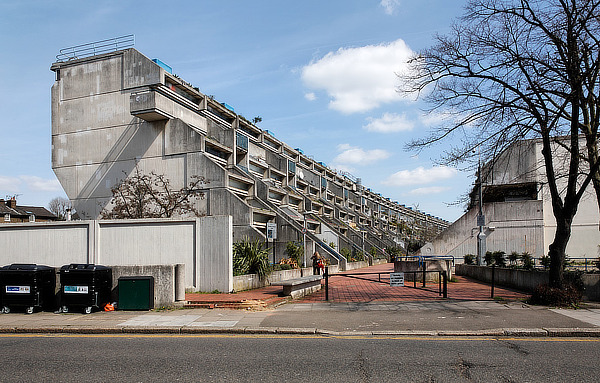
(26, 211)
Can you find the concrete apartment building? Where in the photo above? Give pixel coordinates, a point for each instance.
(114, 110)
(518, 209)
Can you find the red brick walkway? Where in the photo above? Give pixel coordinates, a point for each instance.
(344, 289)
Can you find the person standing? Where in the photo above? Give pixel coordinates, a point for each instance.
(315, 263)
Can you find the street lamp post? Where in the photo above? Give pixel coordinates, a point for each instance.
(304, 234)
(481, 237)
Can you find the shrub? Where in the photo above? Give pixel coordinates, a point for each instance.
(281, 266)
(393, 253)
(527, 261)
(545, 261)
(345, 252)
(513, 258)
(489, 258)
(569, 296)
(469, 259)
(295, 251)
(499, 258)
(373, 252)
(250, 258)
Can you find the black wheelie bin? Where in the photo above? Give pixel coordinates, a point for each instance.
(85, 286)
(27, 285)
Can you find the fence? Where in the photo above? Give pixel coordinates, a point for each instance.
(96, 48)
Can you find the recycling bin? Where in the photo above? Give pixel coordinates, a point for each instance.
(136, 293)
(84, 286)
(27, 286)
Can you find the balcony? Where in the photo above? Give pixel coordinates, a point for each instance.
(150, 106)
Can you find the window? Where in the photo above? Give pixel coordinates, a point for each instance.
(6, 217)
(32, 218)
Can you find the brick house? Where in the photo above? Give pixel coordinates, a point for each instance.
(10, 212)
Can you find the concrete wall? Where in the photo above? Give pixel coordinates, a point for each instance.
(518, 226)
(169, 281)
(251, 281)
(204, 245)
(526, 280)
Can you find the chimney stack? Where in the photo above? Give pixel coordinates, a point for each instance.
(12, 203)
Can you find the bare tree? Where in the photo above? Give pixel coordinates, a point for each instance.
(517, 69)
(59, 206)
(151, 196)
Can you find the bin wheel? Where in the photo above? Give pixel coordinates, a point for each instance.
(5, 309)
(87, 310)
(65, 309)
(29, 310)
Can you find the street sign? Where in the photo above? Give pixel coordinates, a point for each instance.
(396, 279)
(271, 231)
(481, 220)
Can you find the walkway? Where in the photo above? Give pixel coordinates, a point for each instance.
(345, 289)
(351, 290)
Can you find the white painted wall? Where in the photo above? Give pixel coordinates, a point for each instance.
(204, 245)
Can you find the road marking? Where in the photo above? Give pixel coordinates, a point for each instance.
(304, 336)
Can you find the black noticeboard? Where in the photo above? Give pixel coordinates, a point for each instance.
(136, 293)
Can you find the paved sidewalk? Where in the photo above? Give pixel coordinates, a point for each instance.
(357, 307)
(431, 318)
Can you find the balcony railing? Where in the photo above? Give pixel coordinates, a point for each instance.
(96, 48)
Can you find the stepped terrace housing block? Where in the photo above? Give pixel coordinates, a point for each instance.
(117, 110)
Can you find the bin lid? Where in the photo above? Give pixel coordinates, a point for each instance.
(26, 267)
(83, 267)
(136, 278)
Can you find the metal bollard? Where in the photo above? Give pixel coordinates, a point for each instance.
(493, 275)
(326, 275)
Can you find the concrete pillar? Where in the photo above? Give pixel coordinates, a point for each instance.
(180, 282)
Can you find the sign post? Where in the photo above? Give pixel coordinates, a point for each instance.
(272, 236)
(396, 279)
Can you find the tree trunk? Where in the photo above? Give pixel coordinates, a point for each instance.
(557, 251)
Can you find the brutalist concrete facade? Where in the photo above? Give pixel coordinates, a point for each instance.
(518, 208)
(113, 111)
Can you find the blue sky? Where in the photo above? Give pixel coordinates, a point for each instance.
(321, 74)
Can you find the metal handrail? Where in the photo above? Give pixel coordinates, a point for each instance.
(95, 48)
(427, 257)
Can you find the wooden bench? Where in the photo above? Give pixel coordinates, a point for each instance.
(299, 287)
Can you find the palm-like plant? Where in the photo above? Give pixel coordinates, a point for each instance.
(249, 257)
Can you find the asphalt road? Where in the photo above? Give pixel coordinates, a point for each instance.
(77, 358)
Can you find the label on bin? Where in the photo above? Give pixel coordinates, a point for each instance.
(18, 289)
(75, 289)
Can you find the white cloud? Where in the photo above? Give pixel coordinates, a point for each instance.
(9, 185)
(389, 6)
(355, 155)
(429, 190)
(310, 96)
(359, 79)
(39, 184)
(420, 176)
(389, 123)
(435, 118)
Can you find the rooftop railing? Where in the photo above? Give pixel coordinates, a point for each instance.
(96, 48)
